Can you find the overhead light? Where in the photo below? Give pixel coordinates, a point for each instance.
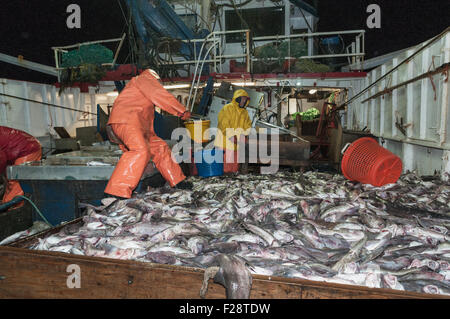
(312, 91)
(177, 86)
(243, 83)
(114, 93)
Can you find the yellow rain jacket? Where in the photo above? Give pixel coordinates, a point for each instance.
(232, 116)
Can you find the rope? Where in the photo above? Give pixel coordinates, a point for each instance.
(37, 209)
(49, 104)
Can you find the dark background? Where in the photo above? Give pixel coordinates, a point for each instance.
(31, 27)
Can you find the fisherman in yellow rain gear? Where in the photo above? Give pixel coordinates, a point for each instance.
(233, 123)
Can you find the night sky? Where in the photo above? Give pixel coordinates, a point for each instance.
(31, 27)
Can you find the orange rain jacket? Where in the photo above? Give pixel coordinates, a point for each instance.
(132, 122)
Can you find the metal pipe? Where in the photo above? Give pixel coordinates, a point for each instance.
(214, 34)
(247, 43)
(57, 64)
(358, 50)
(195, 52)
(281, 129)
(196, 66)
(353, 51)
(28, 64)
(363, 49)
(289, 54)
(199, 77)
(440, 69)
(416, 141)
(118, 49)
(195, 74)
(302, 35)
(219, 57)
(343, 55)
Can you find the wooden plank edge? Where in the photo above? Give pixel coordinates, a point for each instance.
(291, 283)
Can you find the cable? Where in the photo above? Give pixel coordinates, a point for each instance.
(37, 209)
(123, 13)
(54, 105)
(306, 20)
(131, 38)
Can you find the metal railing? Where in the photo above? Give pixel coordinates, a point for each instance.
(355, 51)
(214, 53)
(64, 49)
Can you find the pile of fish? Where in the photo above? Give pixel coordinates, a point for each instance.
(309, 225)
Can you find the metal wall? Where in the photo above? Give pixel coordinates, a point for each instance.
(39, 119)
(421, 108)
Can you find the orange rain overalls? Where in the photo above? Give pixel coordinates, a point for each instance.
(131, 120)
(16, 147)
(232, 116)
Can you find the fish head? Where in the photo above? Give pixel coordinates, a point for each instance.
(433, 265)
(390, 280)
(431, 289)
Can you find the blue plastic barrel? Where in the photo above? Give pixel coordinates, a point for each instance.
(209, 169)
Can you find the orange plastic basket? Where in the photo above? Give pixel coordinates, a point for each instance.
(367, 162)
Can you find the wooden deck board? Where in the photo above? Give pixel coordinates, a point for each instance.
(42, 274)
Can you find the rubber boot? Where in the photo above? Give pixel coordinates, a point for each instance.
(184, 185)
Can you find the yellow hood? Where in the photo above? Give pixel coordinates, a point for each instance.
(237, 94)
(233, 117)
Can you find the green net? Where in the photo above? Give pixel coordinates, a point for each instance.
(273, 55)
(88, 73)
(309, 114)
(309, 66)
(87, 54)
(297, 49)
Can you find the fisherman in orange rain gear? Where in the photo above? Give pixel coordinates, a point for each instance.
(233, 116)
(131, 126)
(16, 147)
